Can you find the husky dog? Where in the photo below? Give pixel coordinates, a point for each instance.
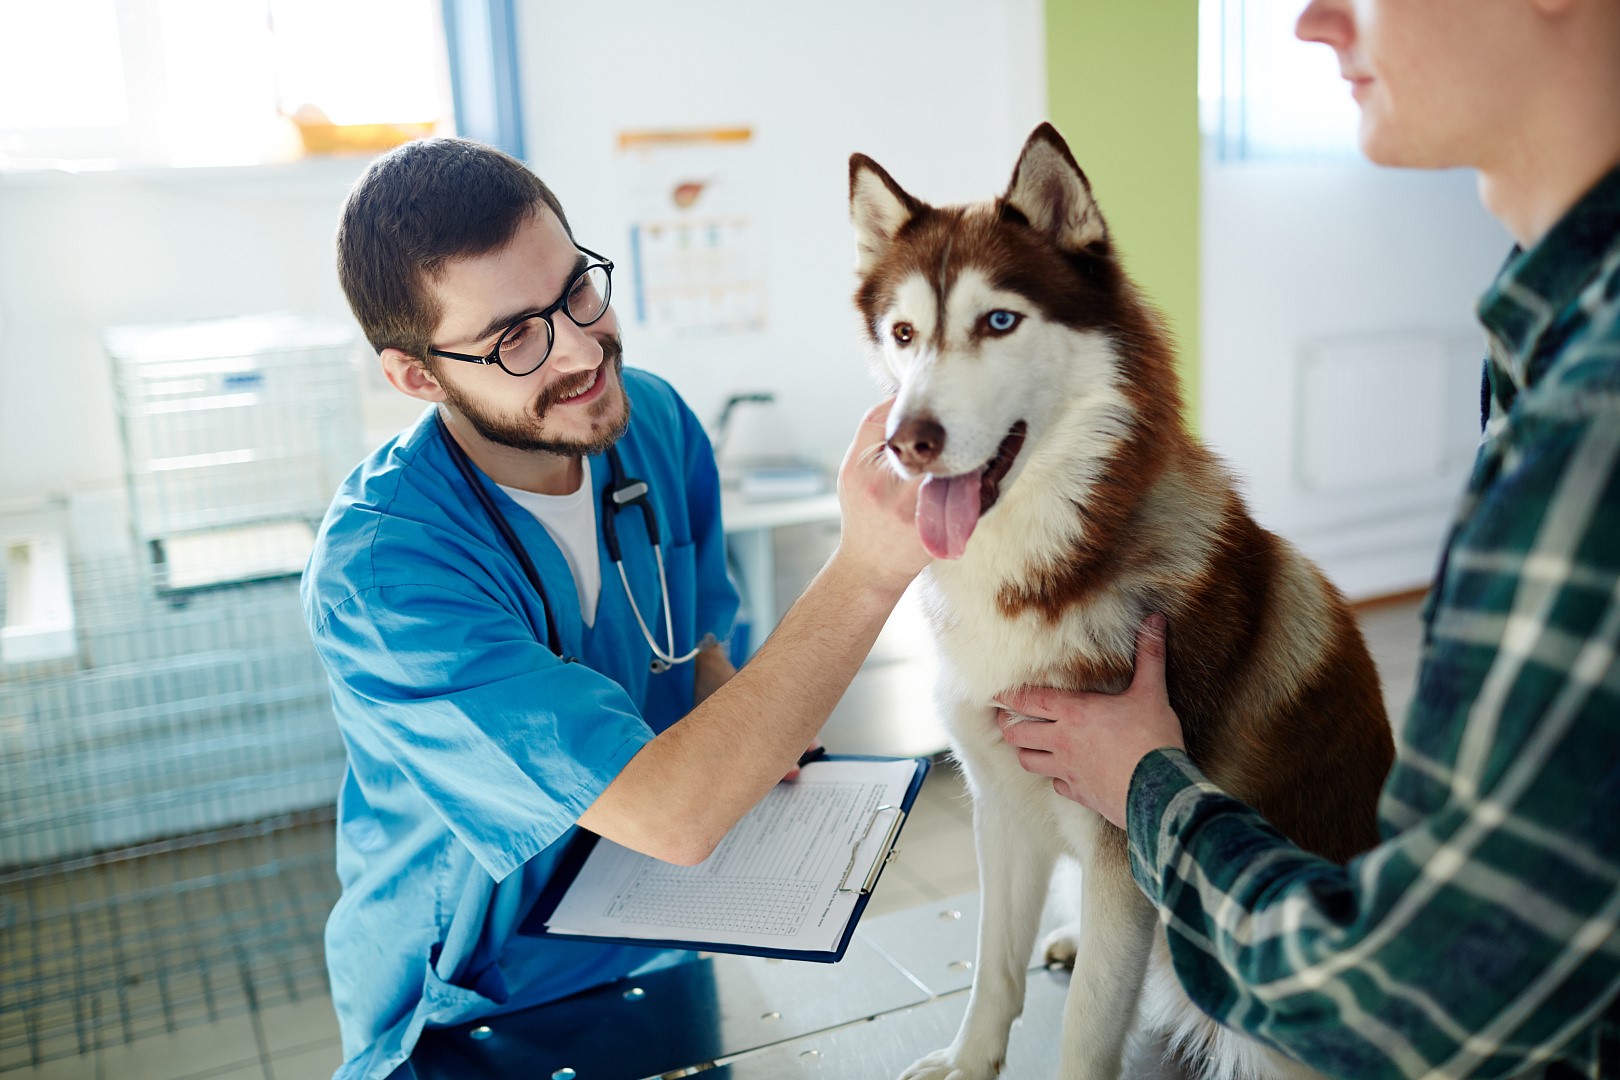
(1065, 500)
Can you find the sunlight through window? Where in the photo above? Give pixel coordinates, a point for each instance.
(216, 82)
(38, 87)
(1263, 93)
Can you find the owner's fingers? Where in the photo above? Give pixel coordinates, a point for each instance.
(1150, 649)
(1030, 734)
(1029, 701)
(1036, 761)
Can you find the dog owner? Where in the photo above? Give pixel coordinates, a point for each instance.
(1480, 937)
(486, 718)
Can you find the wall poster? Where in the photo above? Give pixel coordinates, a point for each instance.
(695, 246)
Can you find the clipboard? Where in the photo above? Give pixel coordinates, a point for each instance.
(872, 851)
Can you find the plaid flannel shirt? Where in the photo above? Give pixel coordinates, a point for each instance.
(1481, 937)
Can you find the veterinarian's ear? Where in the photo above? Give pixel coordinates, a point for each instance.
(410, 375)
(878, 207)
(1049, 189)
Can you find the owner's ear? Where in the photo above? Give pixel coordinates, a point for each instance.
(878, 207)
(1051, 192)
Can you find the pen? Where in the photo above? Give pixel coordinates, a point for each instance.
(813, 754)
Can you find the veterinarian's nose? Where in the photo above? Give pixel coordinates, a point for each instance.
(918, 441)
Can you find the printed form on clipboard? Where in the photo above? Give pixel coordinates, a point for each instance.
(791, 879)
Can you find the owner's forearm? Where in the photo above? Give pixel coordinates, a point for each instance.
(679, 796)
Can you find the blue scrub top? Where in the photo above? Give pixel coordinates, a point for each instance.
(472, 748)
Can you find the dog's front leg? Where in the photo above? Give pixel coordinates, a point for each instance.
(1116, 936)
(1015, 864)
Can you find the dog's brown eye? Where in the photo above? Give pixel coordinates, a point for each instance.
(902, 333)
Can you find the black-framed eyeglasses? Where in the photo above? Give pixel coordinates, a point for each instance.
(524, 345)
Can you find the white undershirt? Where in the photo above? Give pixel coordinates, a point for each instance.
(570, 520)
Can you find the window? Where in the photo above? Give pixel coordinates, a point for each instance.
(1263, 94)
(112, 83)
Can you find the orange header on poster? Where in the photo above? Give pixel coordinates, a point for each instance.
(631, 140)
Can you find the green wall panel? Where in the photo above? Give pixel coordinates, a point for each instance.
(1122, 87)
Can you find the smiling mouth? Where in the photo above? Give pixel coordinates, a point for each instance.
(587, 388)
(949, 507)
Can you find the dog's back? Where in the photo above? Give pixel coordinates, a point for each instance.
(1278, 698)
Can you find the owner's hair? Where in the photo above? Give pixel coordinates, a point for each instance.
(414, 209)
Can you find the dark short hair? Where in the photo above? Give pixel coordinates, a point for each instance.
(414, 209)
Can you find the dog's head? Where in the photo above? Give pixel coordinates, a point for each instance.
(992, 322)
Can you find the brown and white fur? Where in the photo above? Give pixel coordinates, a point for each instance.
(1108, 511)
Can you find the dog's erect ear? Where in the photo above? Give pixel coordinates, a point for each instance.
(1049, 189)
(878, 207)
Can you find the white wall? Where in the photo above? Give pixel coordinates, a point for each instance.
(1299, 253)
(944, 100)
(942, 95)
(81, 253)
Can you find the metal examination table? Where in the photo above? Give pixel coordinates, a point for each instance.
(899, 993)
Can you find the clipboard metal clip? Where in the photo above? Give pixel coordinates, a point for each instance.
(884, 853)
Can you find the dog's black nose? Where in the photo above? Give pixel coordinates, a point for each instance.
(918, 441)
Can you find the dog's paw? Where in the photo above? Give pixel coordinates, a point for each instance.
(1060, 947)
(943, 1065)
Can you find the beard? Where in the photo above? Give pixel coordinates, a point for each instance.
(526, 432)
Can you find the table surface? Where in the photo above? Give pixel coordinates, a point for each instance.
(900, 992)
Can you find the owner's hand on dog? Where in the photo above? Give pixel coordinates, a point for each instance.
(879, 509)
(1091, 744)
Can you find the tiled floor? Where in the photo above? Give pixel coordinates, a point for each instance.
(299, 1040)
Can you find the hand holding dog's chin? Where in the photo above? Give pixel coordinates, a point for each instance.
(879, 509)
(1091, 744)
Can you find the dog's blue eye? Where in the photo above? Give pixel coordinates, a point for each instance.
(1000, 321)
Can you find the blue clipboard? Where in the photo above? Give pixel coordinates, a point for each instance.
(579, 849)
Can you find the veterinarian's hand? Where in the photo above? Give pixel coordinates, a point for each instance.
(879, 508)
(1090, 744)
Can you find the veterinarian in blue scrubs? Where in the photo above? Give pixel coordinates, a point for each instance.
(487, 718)
(1481, 937)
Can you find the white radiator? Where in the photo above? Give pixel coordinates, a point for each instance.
(1386, 411)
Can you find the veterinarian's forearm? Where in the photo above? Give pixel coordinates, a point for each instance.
(679, 796)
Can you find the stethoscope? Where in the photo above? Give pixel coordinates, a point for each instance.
(621, 494)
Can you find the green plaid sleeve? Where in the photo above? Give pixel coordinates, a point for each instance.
(1482, 937)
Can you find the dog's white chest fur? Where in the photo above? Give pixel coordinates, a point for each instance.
(986, 650)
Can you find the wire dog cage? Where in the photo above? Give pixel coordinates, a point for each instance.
(236, 432)
(168, 760)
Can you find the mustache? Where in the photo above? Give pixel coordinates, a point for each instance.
(612, 354)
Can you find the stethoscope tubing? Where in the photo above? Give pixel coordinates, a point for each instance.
(665, 657)
(621, 494)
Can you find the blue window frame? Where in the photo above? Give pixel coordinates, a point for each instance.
(481, 38)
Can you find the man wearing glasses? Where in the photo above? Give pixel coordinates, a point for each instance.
(486, 718)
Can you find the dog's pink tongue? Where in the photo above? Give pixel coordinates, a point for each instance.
(947, 510)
